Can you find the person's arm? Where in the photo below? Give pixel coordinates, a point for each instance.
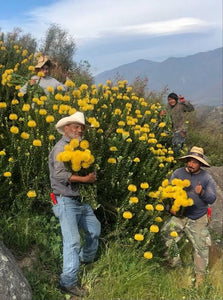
(89, 178)
(187, 106)
(207, 193)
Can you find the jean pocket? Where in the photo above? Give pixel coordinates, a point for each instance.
(56, 210)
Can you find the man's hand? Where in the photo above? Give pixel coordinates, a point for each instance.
(198, 188)
(32, 81)
(90, 178)
(162, 113)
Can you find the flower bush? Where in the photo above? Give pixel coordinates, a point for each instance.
(129, 141)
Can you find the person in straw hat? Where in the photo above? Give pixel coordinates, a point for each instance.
(194, 221)
(44, 65)
(72, 213)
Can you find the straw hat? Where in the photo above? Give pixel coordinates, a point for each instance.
(41, 61)
(77, 117)
(198, 154)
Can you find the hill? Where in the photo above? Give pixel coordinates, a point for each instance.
(198, 77)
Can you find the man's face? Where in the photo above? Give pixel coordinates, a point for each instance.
(74, 131)
(193, 165)
(172, 101)
(45, 69)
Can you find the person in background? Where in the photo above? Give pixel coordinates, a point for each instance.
(71, 211)
(178, 109)
(194, 222)
(44, 65)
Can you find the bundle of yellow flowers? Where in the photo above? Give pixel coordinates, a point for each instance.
(78, 158)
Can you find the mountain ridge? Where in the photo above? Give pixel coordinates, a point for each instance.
(198, 77)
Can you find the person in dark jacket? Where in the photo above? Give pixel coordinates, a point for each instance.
(194, 222)
(178, 108)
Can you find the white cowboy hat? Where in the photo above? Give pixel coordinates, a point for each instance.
(77, 117)
(198, 154)
(41, 61)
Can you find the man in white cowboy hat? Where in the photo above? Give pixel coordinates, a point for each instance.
(72, 213)
(194, 221)
(44, 64)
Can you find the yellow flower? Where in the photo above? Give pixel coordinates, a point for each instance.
(74, 143)
(154, 228)
(158, 219)
(2, 153)
(7, 174)
(50, 89)
(70, 83)
(144, 185)
(31, 68)
(26, 107)
(138, 237)
(42, 112)
(10, 159)
(149, 207)
(133, 200)
(148, 255)
(174, 234)
(14, 101)
(113, 149)
(14, 129)
(40, 74)
(84, 144)
(112, 160)
(132, 188)
(13, 117)
(37, 143)
(50, 119)
(159, 207)
(127, 215)
(136, 159)
(162, 124)
(117, 111)
(31, 194)
(31, 123)
(51, 137)
(24, 135)
(3, 105)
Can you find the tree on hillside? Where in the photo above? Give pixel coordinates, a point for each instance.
(60, 47)
(26, 41)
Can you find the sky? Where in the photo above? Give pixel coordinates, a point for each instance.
(110, 33)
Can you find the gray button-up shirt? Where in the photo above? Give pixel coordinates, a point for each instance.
(59, 174)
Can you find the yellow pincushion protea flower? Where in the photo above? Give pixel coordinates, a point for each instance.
(13, 117)
(149, 207)
(144, 185)
(14, 129)
(25, 135)
(174, 234)
(127, 215)
(112, 160)
(50, 119)
(42, 111)
(40, 74)
(132, 188)
(154, 228)
(148, 255)
(74, 143)
(7, 174)
(37, 143)
(136, 160)
(51, 137)
(159, 207)
(26, 107)
(113, 148)
(31, 123)
(31, 194)
(84, 144)
(133, 200)
(158, 219)
(2, 153)
(138, 237)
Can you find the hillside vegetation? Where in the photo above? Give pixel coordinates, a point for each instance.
(130, 146)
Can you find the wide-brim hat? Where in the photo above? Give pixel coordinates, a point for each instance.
(77, 117)
(198, 154)
(41, 61)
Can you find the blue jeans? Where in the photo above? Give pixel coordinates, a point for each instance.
(178, 140)
(74, 215)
